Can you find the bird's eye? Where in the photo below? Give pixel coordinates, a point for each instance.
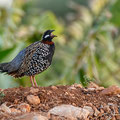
(46, 36)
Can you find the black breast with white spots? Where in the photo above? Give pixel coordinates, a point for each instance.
(41, 59)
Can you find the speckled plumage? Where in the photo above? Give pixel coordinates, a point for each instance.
(38, 57)
(32, 60)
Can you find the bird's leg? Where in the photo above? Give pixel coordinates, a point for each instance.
(31, 79)
(35, 81)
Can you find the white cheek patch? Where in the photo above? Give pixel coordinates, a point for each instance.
(46, 36)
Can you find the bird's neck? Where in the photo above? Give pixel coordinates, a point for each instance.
(48, 42)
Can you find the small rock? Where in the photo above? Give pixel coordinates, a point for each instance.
(91, 89)
(101, 111)
(118, 95)
(5, 109)
(85, 90)
(33, 99)
(117, 117)
(71, 88)
(66, 93)
(15, 111)
(113, 118)
(96, 112)
(16, 101)
(24, 107)
(113, 90)
(89, 104)
(93, 85)
(39, 117)
(116, 110)
(110, 104)
(69, 111)
(89, 109)
(33, 90)
(100, 88)
(106, 108)
(31, 116)
(54, 87)
(77, 85)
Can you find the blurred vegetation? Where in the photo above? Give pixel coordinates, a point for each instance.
(87, 44)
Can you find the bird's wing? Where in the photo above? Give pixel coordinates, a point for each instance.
(17, 61)
(31, 53)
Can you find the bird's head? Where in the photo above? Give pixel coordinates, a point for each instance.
(48, 36)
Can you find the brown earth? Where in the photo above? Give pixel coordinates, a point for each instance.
(104, 102)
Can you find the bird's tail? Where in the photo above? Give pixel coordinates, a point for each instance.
(4, 67)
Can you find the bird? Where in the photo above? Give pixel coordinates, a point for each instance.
(32, 60)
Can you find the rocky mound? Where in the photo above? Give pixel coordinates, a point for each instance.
(60, 103)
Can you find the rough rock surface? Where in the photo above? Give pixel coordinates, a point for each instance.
(92, 103)
(70, 111)
(33, 99)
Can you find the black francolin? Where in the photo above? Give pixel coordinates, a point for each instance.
(32, 60)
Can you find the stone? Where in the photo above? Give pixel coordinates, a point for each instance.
(118, 95)
(69, 111)
(89, 109)
(5, 109)
(39, 117)
(16, 101)
(33, 99)
(91, 89)
(24, 107)
(31, 116)
(54, 87)
(106, 109)
(112, 90)
(117, 117)
(96, 112)
(34, 90)
(100, 88)
(15, 111)
(110, 104)
(77, 85)
(93, 85)
(72, 88)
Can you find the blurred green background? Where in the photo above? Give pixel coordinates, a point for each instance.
(87, 46)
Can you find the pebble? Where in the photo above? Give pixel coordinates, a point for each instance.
(54, 87)
(34, 90)
(33, 99)
(93, 85)
(77, 85)
(100, 88)
(5, 109)
(118, 117)
(118, 95)
(107, 109)
(72, 88)
(112, 90)
(24, 107)
(15, 111)
(96, 111)
(31, 116)
(39, 117)
(16, 101)
(89, 109)
(91, 89)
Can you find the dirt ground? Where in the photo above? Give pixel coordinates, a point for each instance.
(104, 102)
